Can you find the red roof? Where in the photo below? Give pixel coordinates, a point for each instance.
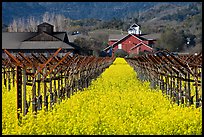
(134, 35)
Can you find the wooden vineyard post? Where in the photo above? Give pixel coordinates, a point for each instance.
(39, 95)
(70, 82)
(86, 78)
(174, 90)
(74, 82)
(66, 84)
(59, 89)
(62, 86)
(167, 85)
(79, 79)
(82, 79)
(181, 91)
(9, 79)
(24, 92)
(55, 91)
(13, 73)
(34, 101)
(45, 94)
(19, 92)
(170, 88)
(177, 89)
(196, 88)
(51, 93)
(4, 73)
(190, 99)
(185, 90)
(162, 84)
(158, 75)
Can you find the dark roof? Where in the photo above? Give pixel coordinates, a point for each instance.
(119, 37)
(43, 36)
(135, 25)
(59, 35)
(44, 45)
(153, 36)
(140, 37)
(45, 24)
(16, 40)
(12, 40)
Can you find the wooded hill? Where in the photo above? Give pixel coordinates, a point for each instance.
(174, 22)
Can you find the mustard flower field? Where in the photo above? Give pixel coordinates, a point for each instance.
(116, 103)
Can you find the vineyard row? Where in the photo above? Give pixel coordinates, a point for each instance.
(47, 80)
(179, 77)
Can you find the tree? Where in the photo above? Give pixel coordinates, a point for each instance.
(171, 40)
(59, 22)
(31, 25)
(21, 25)
(46, 17)
(88, 44)
(13, 26)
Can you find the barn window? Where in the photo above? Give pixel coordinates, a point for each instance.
(119, 46)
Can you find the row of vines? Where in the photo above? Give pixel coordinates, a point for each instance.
(44, 80)
(116, 103)
(178, 76)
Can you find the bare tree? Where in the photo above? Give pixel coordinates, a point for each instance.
(46, 17)
(32, 25)
(21, 25)
(59, 22)
(13, 27)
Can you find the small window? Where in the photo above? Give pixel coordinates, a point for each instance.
(119, 46)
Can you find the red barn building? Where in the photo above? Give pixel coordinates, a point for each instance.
(132, 43)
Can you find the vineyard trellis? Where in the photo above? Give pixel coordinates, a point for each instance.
(178, 76)
(59, 76)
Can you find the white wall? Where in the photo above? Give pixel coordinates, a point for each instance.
(136, 30)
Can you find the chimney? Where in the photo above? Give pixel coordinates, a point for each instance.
(45, 27)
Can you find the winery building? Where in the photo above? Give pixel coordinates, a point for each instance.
(133, 43)
(44, 40)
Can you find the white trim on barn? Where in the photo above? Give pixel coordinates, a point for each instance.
(139, 44)
(107, 48)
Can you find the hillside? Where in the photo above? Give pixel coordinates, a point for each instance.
(75, 10)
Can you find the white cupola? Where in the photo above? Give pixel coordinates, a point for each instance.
(134, 29)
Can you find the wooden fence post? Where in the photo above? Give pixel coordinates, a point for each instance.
(13, 71)
(39, 99)
(34, 100)
(196, 88)
(4, 73)
(24, 92)
(19, 92)
(9, 79)
(51, 93)
(190, 99)
(59, 89)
